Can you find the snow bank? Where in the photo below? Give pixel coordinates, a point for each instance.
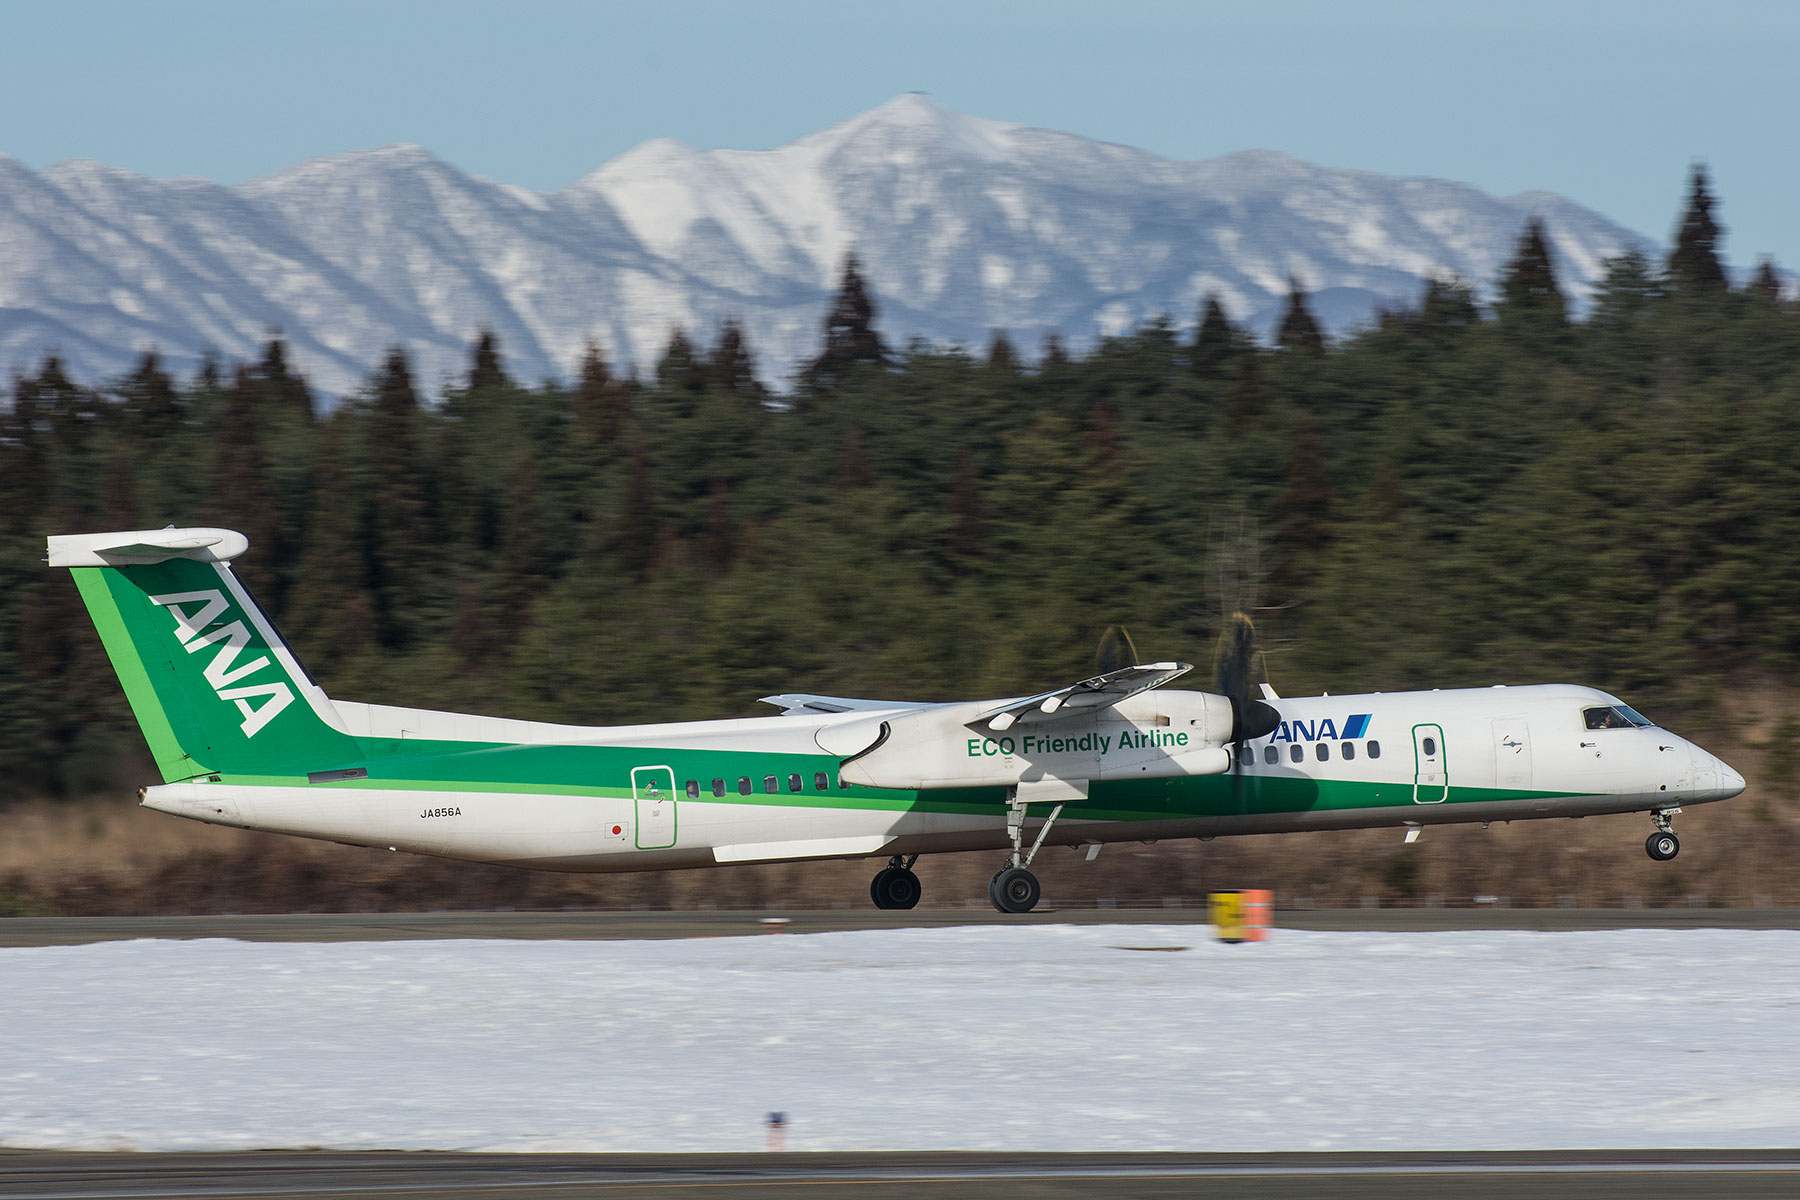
(1041, 1037)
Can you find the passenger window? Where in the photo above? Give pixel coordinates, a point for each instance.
(1374, 749)
(1348, 750)
(1271, 754)
(1323, 750)
(821, 782)
(794, 783)
(771, 785)
(693, 789)
(842, 784)
(1429, 746)
(1296, 753)
(1245, 756)
(718, 787)
(743, 785)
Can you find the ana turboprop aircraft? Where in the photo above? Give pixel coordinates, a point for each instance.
(244, 737)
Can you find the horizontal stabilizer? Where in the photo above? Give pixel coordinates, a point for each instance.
(140, 547)
(1102, 691)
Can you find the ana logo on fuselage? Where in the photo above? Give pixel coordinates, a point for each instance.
(193, 612)
(1322, 730)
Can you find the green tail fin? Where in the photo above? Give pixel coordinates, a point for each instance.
(212, 685)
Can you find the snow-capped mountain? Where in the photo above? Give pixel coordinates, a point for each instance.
(964, 226)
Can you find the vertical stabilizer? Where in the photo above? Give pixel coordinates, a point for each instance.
(212, 685)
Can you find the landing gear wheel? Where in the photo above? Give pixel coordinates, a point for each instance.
(1662, 846)
(1014, 890)
(895, 887)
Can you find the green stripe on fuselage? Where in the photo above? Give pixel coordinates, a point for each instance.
(574, 770)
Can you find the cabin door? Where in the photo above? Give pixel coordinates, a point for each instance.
(653, 788)
(1431, 773)
(1512, 754)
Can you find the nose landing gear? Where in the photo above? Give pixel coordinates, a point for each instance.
(1663, 844)
(1014, 889)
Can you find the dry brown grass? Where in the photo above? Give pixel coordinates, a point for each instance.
(108, 856)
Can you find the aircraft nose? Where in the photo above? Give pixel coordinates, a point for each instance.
(1730, 782)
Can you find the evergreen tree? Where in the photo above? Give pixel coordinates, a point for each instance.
(149, 408)
(402, 537)
(526, 558)
(331, 616)
(1529, 294)
(1214, 338)
(243, 496)
(1054, 355)
(1447, 304)
(284, 388)
(968, 516)
(600, 402)
(485, 370)
(854, 468)
(1244, 399)
(718, 539)
(1694, 263)
(850, 337)
(1302, 510)
(679, 372)
(1766, 284)
(1002, 359)
(730, 365)
(1299, 329)
(637, 533)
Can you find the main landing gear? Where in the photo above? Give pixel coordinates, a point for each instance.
(1663, 844)
(1014, 889)
(895, 885)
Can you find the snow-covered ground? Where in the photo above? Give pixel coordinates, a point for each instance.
(1040, 1037)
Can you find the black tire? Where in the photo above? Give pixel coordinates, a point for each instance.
(896, 887)
(878, 887)
(1014, 890)
(1662, 846)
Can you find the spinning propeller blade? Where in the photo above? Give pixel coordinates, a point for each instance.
(1116, 651)
(1250, 718)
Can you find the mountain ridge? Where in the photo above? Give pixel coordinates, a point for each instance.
(965, 225)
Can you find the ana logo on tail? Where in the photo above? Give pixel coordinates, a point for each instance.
(193, 612)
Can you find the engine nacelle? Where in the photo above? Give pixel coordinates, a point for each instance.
(1156, 735)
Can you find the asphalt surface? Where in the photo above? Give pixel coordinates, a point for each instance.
(380, 927)
(1646, 1175)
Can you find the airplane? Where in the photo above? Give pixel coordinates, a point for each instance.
(244, 737)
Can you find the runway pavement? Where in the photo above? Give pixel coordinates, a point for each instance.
(377, 927)
(1645, 1175)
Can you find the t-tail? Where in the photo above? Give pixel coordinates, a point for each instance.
(214, 688)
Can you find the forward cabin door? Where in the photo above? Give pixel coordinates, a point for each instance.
(653, 788)
(1431, 772)
(1512, 754)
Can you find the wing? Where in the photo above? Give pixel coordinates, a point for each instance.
(804, 704)
(1101, 691)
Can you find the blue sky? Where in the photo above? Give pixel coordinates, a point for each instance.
(1604, 102)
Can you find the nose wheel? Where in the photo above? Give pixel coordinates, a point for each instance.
(1663, 844)
(1013, 890)
(895, 885)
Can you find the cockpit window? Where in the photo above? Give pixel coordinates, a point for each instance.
(1618, 716)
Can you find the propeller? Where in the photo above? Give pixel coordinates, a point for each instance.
(1250, 718)
(1116, 651)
